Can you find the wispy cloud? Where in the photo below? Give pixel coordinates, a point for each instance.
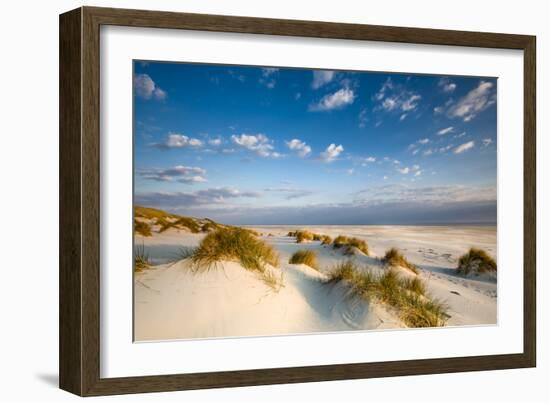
(268, 77)
(487, 142)
(474, 102)
(331, 153)
(445, 131)
(322, 77)
(362, 117)
(464, 147)
(258, 143)
(145, 88)
(212, 196)
(300, 147)
(337, 100)
(291, 193)
(400, 193)
(179, 173)
(176, 140)
(396, 98)
(446, 84)
(215, 142)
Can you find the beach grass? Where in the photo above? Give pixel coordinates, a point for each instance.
(395, 258)
(407, 297)
(326, 240)
(302, 236)
(349, 243)
(307, 257)
(141, 258)
(476, 261)
(142, 228)
(235, 244)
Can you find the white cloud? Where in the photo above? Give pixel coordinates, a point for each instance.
(418, 173)
(350, 171)
(446, 84)
(424, 141)
(268, 77)
(268, 71)
(332, 152)
(258, 143)
(410, 103)
(487, 142)
(439, 109)
(179, 173)
(337, 100)
(363, 119)
(476, 101)
(212, 196)
(446, 148)
(428, 194)
(322, 77)
(299, 146)
(215, 142)
(291, 192)
(176, 140)
(404, 170)
(464, 147)
(392, 97)
(447, 130)
(428, 152)
(146, 88)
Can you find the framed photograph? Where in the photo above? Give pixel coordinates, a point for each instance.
(250, 201)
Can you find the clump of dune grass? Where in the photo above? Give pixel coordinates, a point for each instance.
(307, 257)
(302, 236)
(476, 261)
(415, 285)
(272, 280)
(141, 258)
(209, 226)
(237, 244)
(407, 297)
(326, 240)
(395, 258)
(142, 228)
(186, 222)
(348, 243)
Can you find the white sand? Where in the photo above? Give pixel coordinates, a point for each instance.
(173, 303)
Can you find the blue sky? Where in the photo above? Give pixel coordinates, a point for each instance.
(252, 145)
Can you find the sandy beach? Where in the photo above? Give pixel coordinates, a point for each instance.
(174, 302)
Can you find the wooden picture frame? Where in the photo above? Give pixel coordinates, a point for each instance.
(79, 346)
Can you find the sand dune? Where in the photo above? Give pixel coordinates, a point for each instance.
(172, 302)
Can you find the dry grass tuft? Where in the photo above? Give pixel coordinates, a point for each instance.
(235, 244)
(326, 240)
(141, 258)
(348, 243)
(142, 228)
(395, 258)
(476, 261)
(240, 245)
(407, 297)
(302, 236)
(307, 257)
